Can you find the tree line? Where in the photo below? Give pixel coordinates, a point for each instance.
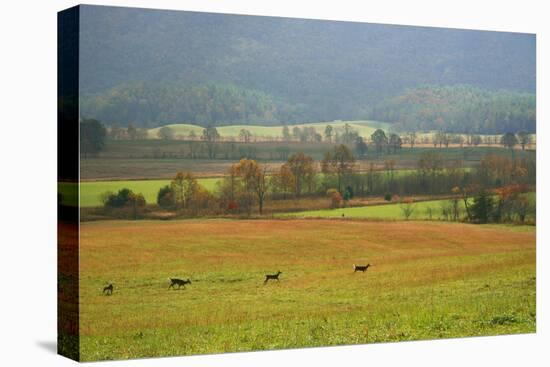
(210, 144)
(498, 185)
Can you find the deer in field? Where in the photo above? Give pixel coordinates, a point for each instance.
(272, 276)
(362, 268)
(178, 282)
(108, 289)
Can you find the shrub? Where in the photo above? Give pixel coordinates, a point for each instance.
(388, 196)
(407, 207)
(335, 198)
(165, 197)
(348, 193)
(124, 197)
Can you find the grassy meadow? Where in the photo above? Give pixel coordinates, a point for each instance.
(389, 211)
(90, 192)
(364, 128)
(427, 280)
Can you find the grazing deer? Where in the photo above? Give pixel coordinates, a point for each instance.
(108, 289)
(272, 276)
(179, 282)
(362, 268)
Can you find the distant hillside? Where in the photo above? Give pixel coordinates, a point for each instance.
(460, 109)
(276, 70)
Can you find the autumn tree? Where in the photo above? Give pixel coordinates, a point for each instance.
(511, 201)
(228, 189)
(282, 182)
(339, 162)
(303, 172)
(335, 198)
(254, 180)
(184, 186)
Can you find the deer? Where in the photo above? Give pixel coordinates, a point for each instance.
(179, 282)
(108, 289)
(272, 276)
(362, 268)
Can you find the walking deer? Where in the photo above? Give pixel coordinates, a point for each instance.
(178, 282)
(362, 268)
(272, 276)
(108, 289)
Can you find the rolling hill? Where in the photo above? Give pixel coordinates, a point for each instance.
(364, 128)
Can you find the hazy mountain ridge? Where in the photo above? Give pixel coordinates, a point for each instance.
(318, 70)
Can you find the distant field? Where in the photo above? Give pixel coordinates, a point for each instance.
(427, 281)
(386, 211)
(364, 128)
(90, 192)
(126, 159)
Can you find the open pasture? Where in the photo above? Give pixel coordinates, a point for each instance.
(422, 210)
(390, 211)
(90, 192)
(364, 128)
(427, 280)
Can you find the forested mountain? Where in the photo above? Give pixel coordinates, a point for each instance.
(151, 104)
(155, 67)
(459, 109)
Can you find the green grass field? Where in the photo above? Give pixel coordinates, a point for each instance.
(390, 211)
(364, 128)
(90, 192)
(427, 280)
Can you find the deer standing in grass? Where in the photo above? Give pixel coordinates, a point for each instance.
(108, 289)
(178, 282)
(362, 268)
(272, 276)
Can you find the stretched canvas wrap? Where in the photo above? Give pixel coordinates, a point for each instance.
(236, 183)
